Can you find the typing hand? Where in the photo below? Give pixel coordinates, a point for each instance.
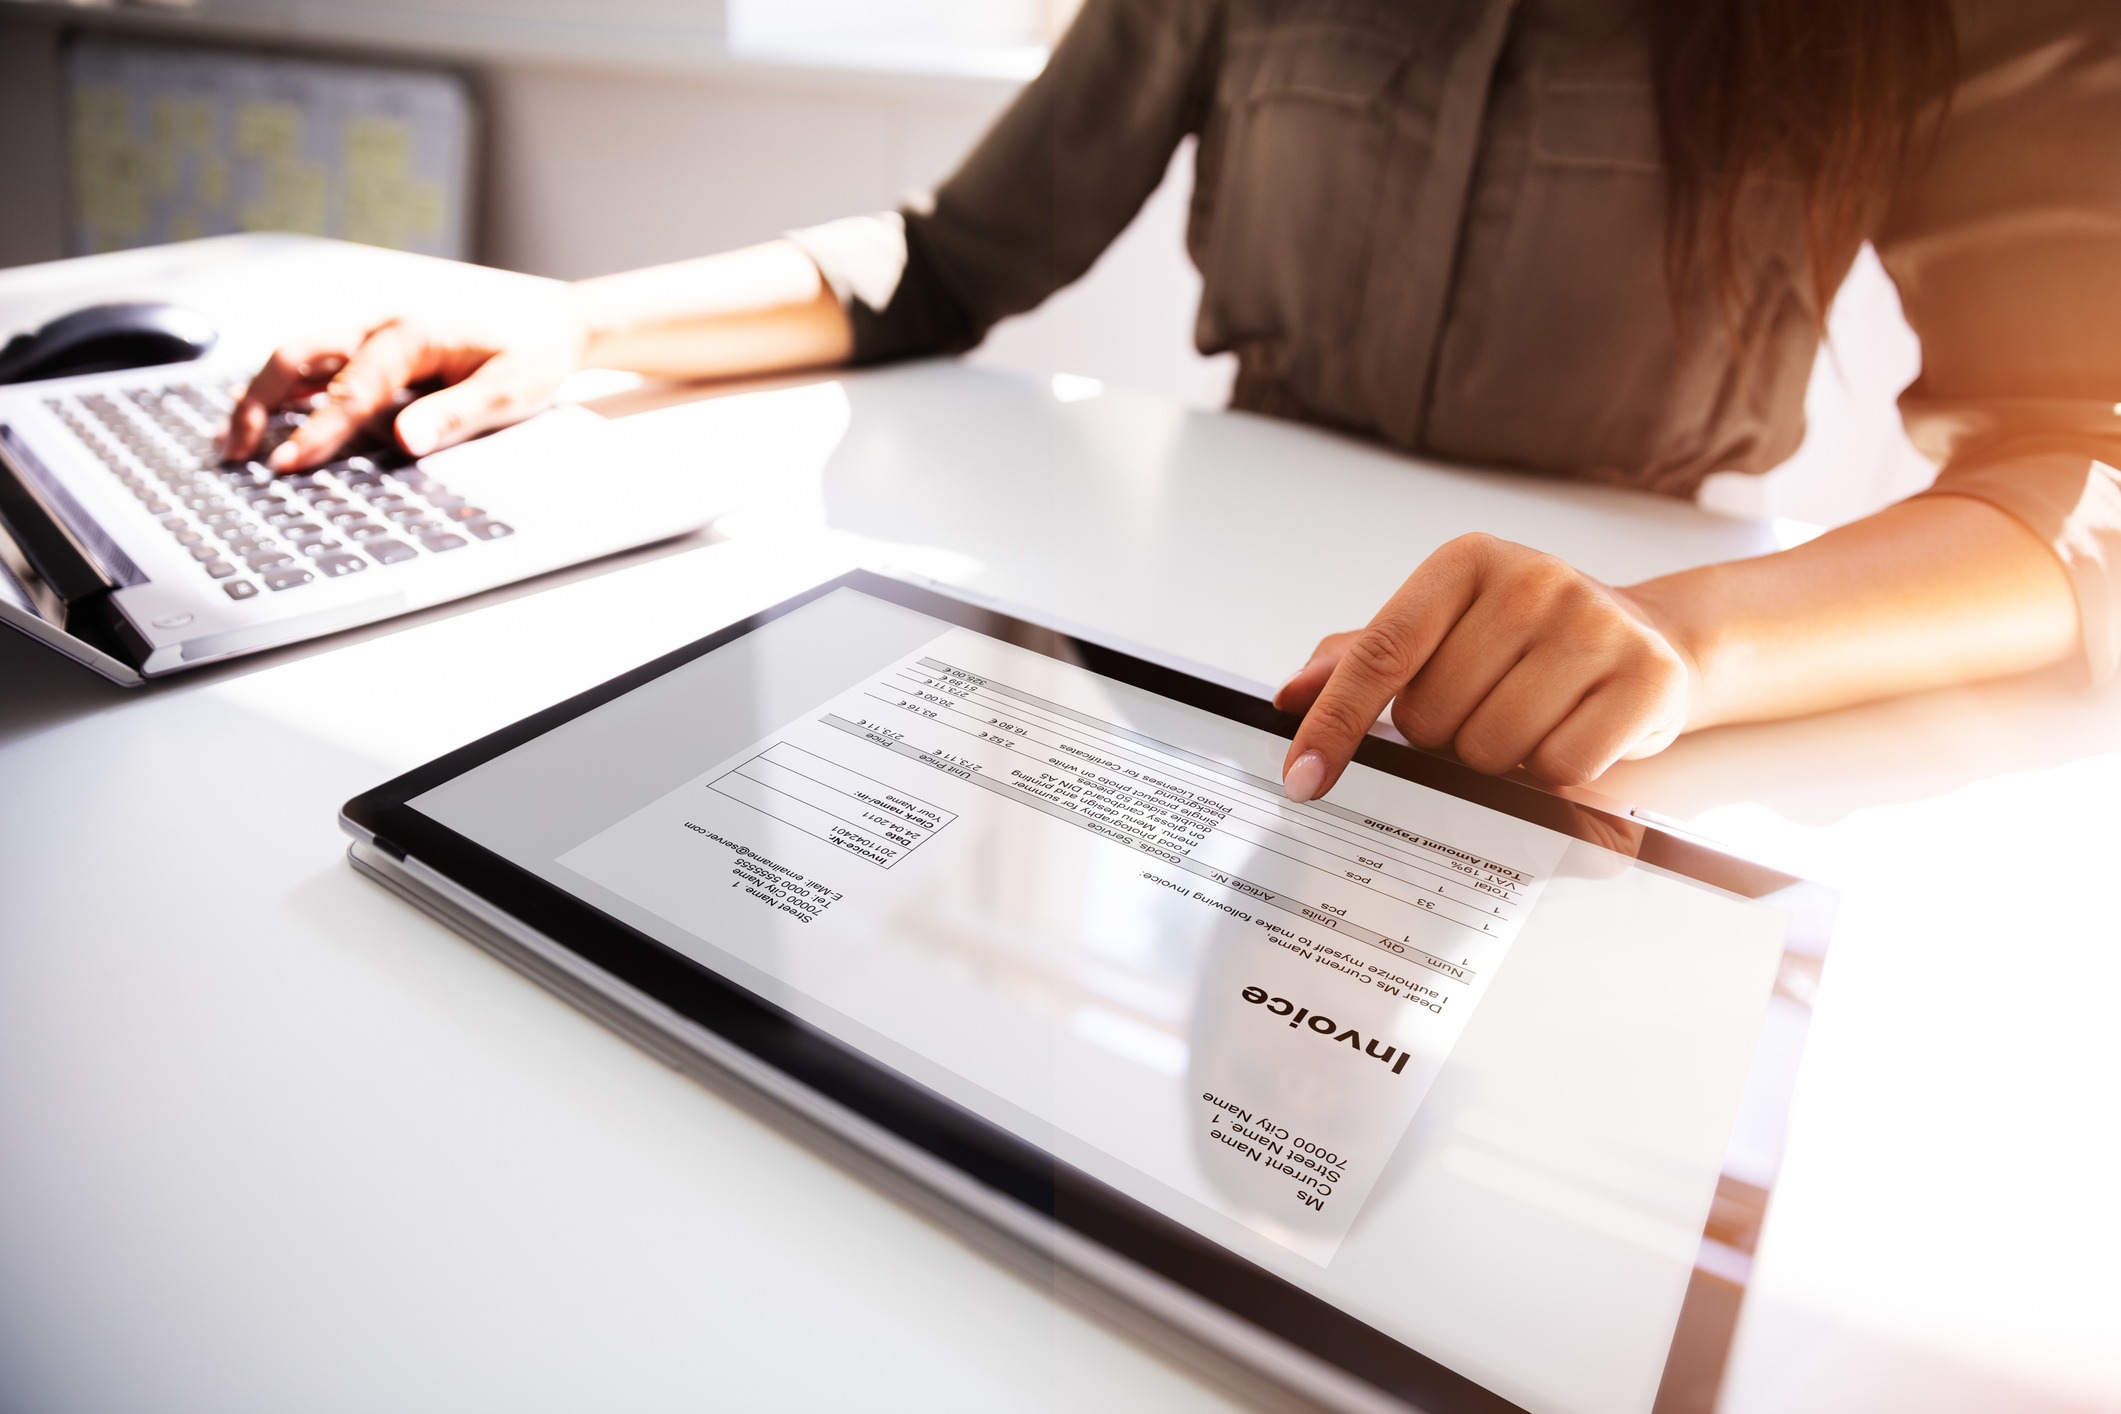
(1504, 654)
(493, 371)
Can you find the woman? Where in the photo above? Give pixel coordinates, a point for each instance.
(1586, 238)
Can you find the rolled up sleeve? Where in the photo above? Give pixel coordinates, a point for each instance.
(2006, 246)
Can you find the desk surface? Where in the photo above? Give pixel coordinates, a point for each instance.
(270, 1139)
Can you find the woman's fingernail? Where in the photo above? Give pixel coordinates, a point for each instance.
(1304, 776)
(415, 434)
(283, 456)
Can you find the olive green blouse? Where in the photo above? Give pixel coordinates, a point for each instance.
(1441, 223)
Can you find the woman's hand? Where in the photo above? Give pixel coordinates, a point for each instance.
(1504, 654)
(764, 309)
(494, 371)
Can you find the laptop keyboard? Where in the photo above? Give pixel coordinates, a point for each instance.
(248, 528)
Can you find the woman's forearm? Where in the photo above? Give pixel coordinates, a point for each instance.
(1927, 593)
(764, 309)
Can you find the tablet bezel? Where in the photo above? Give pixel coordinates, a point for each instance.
(1021, 1172)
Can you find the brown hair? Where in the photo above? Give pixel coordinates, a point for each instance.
(1829, 94)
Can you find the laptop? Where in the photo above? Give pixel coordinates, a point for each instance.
(126, 544)
(1440, 1093)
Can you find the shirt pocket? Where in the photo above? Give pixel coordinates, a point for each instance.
(1307, 113)
(1607, 123)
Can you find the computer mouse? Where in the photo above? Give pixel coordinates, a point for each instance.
(106, 337)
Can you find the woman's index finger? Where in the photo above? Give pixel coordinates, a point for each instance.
(291, 366)
(1376, 664)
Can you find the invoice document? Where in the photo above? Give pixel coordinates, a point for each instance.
(919, 825)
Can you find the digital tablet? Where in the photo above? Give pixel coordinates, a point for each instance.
(1442, 1092)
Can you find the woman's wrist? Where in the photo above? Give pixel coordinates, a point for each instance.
(1679, 608)
(580, 309)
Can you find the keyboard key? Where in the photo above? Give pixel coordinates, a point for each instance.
(227, 516)
(220, 569)
(245, 544)
(439, 543)
(389, 503)
(402, 514)
(173, 523)
(464, 512)
(364, 530)
(155, 508)
(264, 560)
(189, 537)
(314, 548)
(340, 565)
(487, 528)
(206, 552)
(348, 519)
(391, 552)
(287, 579)
(240, 589)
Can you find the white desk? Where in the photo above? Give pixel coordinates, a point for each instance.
(271, 1140)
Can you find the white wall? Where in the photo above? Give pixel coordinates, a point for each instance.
(594, 171)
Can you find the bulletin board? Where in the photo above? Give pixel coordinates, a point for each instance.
(169, 143)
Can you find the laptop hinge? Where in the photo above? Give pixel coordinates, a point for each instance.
(68, 549)
(47, 573)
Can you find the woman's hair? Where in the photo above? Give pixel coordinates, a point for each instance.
(1828, 94)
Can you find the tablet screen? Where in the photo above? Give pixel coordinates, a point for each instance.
(1466, 1078)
